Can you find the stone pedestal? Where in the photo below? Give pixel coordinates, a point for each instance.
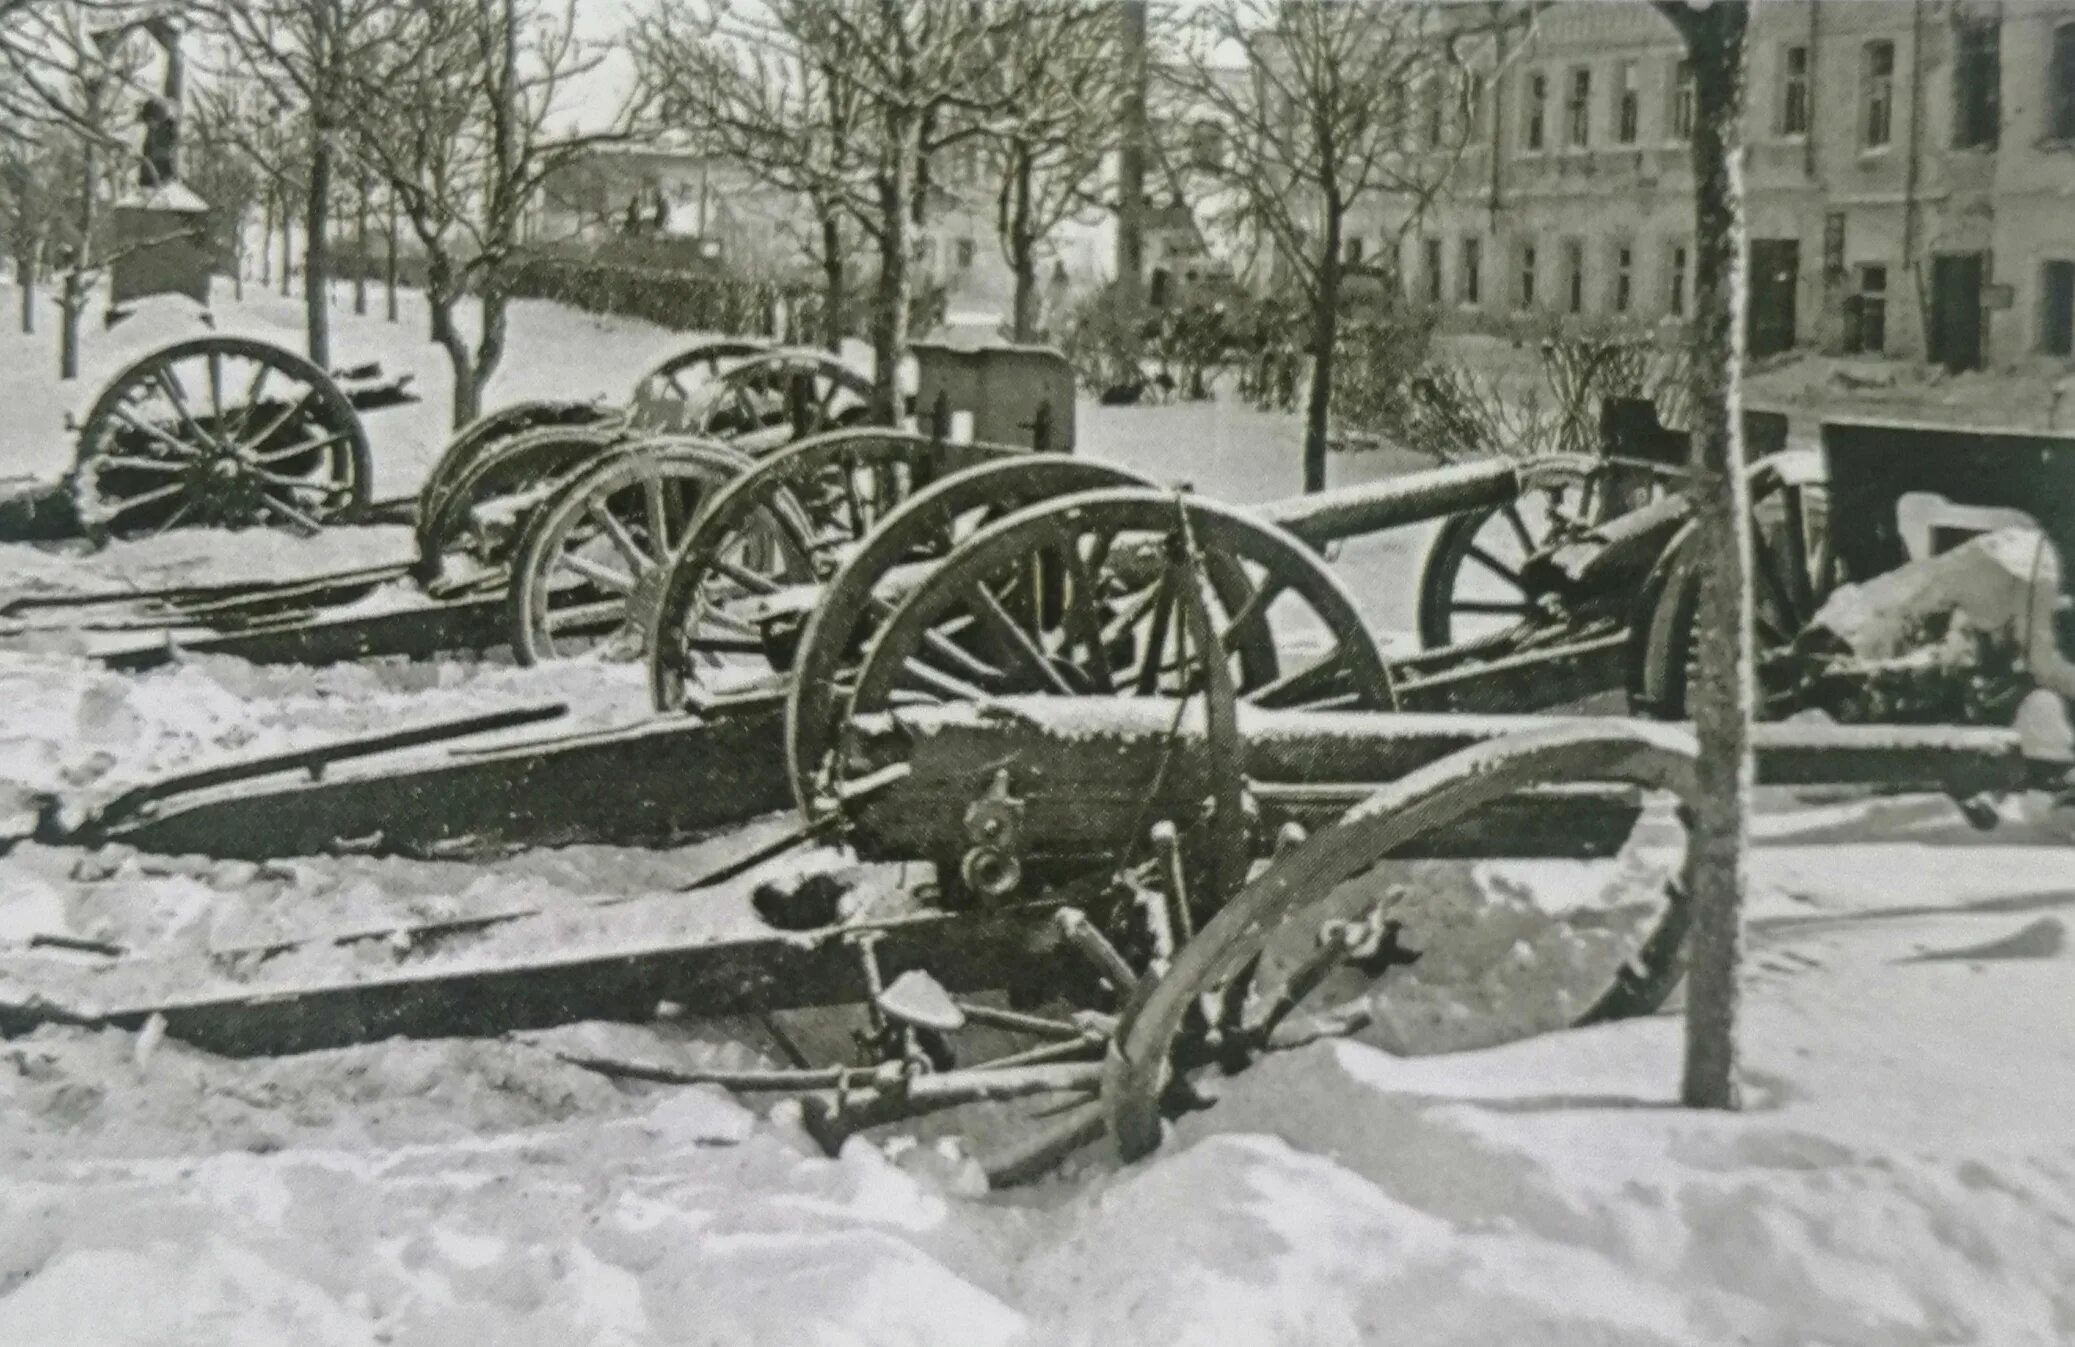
(161, 245)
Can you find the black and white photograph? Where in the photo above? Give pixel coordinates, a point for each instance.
(1037, 673)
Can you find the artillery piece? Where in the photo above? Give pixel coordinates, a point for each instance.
(1141, 743)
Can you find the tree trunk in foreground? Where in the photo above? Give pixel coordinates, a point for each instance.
(1724, 695)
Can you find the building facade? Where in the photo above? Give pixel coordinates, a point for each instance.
(1910, 181)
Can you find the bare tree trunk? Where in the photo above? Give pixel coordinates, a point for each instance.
(490, 349)
(389, 263)
(1325, 326)
(360, 253)
(1724, 699)
(70, 305)
(896, 286)
(287, 249)
(1023, 318)
(25, 276)
(317, 248)
(266, 241)
(74, 303)
(835, 322)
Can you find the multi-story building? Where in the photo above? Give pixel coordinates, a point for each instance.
(1910, 182)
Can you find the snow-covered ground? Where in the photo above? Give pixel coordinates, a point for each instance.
(1904, 1173)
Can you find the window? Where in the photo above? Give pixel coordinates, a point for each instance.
(1876, 94)
(1473, 100)
(1574, 275)
(1628, 102)
(2057, 309)
(1536, 89)
(1794, 91)
(965, 254)
(1430, 260)
(1525, 293)
(1681, 117)
(1624, 277)
(1354, 251)
(1866, 316)
(1577, 111)
(1469, 283)
(1207, 145)
(1434, 112)
(1675, 281)
(1977, 85)
(2060, 85)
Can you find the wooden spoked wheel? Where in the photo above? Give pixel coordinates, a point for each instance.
(780, 397)
(1473, 584)
(819, 499)
(666, 397)
(1794, 570)
(221, 431)
(480, 436)
(1104, 593)
(1283, 962)
(522, 470)
(897, 553)
(589, 567)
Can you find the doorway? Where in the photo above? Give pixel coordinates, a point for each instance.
(2057, 313)
(1775, 276)
(1956, 280)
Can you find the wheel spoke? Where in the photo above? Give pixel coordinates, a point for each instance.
(1022, 650)
(1083, 619)
(1252, 612)
(216, 386)
(1306, 685)
(1496, 567)
(274, 426)
(181, 447)
(299, 449)
(171, 386)
(743, 576)
(658, 525)
(1500, 609)
(1163, 613)
(173, 519)
(252, 391)
(1520, 530)
(598, 573)
(612, 613)
(616, 532)
(268, 501)
(140, 464)
(151, 497)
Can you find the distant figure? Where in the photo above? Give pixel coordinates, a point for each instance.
(161, 144)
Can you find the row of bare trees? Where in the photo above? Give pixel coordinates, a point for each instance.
(450, 115)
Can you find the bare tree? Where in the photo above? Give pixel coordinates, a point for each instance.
(1724, 696)
(923, 75)
(74, 82)
(306, 52)
(454, 119)
(1332, 111)
(1047, 152)
(789, 116)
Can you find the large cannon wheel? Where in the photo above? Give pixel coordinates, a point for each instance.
(822, 496)
(1794, 569)
(1093, 594)
(1472, 586)
(482, 435)
(1271, 949)
(589, 567)
(533, 461)
(224, 431)
(779, 397)
(854, 604)
(663, 398)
